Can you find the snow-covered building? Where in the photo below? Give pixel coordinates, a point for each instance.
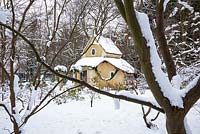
(101, 65)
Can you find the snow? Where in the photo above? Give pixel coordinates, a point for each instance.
(165, 4)
(43, 58)
(17, 116)
(116, 103)
(195, 30)
(184, 34)
(186, 5)
(32, 98)
(76, 67)
(187, 127)
(150, 99)
(108, 45)
(4, 15)
(196, 16)
(195, 24)
(166, 87)
(185, 23)
(60, 68)
(189, 86)
(48, 43)
(174, 12)
(77, 117)
(176, 81)
(16, 84)
(95, 61)
(69, 84)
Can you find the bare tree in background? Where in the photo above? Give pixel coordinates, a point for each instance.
(46, 56)
(15, 53)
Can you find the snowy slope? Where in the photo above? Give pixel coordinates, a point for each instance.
(77, 117)
(80, 118)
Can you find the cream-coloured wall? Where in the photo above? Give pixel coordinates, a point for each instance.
(78, 76)
(101, 77)
(105, 69)
(109, 55)
(100, 52)
(98, 49)
(91, 76)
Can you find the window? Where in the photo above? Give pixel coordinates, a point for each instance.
(84, 75)
(93, 51)
(112, 74)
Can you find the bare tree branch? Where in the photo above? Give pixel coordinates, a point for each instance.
(24, 14)
(80, 81)
(56, 97)
(71, 33)
(41, 102)
(12, 118)
(120, 6)
(163, 47)
(2, 66)
(192, 96)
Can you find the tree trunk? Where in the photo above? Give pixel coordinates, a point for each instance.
(16, 128)
(175, 123)
(2, 84)
(91, 102)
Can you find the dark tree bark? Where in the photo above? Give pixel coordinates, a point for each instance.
(175, 123)
(163, 47)
(174, 116)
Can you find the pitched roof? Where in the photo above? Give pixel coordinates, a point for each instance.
(106, 43)
(95, 61)
(109, 46)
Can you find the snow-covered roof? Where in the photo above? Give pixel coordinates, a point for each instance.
(95, 61)
(60, 68)
(106, 43)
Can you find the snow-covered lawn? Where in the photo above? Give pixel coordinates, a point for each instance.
(77, 117)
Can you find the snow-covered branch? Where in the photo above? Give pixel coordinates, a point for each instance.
(135, 100)
(190, 86)
(191, 93)
(186, 5)
(162, 79)
(139, 97)
(4, 69)
(168, 97)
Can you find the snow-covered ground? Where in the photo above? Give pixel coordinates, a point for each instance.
(77, 117)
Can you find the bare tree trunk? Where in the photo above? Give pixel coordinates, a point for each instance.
(163, 47)
(174, 116)
(91, 101)
(3, 51)
(2, 84)
(175, 123)
(16, 128)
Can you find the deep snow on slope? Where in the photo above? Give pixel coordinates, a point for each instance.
(77, 117)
